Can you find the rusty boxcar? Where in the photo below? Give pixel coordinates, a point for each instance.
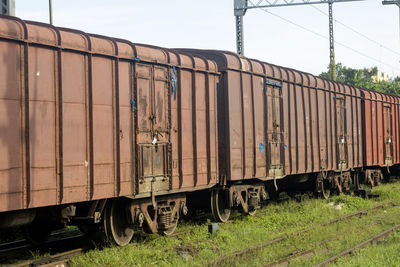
(87, 118)
(280, 122)
(98, 129)
(381, 134)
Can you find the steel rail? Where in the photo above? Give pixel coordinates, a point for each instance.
(363, 244)
(60, 259)
(23, 243)
(303, 253)
(220, 260)
(61, 244)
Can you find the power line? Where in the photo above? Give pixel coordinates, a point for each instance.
(241, 6)
(325, 37)
(357, 32)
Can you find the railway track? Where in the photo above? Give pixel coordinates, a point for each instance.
(295, 254)
(23, 243)
(363, 244)
(60, 259)
(14, 253)
(311, 252)
(62, 249)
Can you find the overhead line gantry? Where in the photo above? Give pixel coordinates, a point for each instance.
(241, 6)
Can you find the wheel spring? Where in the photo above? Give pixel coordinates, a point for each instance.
(253, 201)
(164, 218)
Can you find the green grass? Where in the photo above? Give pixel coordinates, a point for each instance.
(384, 253)
(198, 248)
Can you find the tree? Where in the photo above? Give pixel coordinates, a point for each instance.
(363, 78)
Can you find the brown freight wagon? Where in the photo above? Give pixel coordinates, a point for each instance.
(381, 134)
(276, 122)
(87, 118)
(97, 129)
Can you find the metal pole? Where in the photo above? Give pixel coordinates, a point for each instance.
(7, 7)
(51, 11)
(11, 7)
(239, 35)
(332, 65)
(239, 10)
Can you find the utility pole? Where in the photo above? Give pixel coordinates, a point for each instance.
(51, 11)
(239, 11)
(241, 6)
(7, 7)
(332, 64)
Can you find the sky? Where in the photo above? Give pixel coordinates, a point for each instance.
(366, 32)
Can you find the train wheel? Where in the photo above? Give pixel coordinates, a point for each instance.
(37, 232)
(116, 226)
(220, 205)
(323, 187)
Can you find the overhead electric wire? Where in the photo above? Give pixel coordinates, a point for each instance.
(357, 32)
(325, 37)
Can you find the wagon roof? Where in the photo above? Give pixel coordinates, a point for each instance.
(227, 60)
(42, 34)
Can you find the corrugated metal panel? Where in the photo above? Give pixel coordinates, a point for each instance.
(381, 129)
(278, 121)
(12, 117)
(77, 117)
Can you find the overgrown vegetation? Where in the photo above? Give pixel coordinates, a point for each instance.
(194, 246)
(364, 78)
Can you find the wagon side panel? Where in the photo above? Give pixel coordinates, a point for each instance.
(42, 127)
(12, 84)
(103, 160)
(235, 125)
(75, 157)
(126, 125)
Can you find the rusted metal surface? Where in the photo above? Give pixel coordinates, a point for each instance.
(245, 251)
(300, 254)
(87, 117)
(381, 129)
(382, 235)
(165, 216)
(277, 121)
(60, 259)
(294, 255)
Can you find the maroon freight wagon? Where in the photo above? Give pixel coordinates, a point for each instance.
(381, 115)
(281, 122)
(97, 129)
(86, 118)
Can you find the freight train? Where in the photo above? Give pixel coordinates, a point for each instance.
(104, 133)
